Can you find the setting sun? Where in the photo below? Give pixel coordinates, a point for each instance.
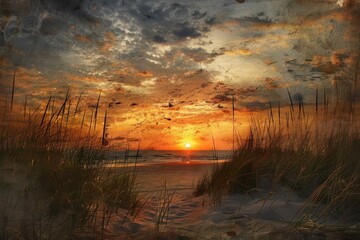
(187, 145)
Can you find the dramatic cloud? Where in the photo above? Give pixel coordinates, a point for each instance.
(154, 60)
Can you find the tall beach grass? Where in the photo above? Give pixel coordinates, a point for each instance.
(52, 183)
(315, 152)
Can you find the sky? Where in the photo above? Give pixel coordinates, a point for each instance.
(167, 70)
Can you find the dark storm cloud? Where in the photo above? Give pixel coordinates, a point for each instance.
(10, 7)
(35, 49)
(198, 15)
(254, 105)
(210, 21)
(200, 54)
(257, 20)
(2, 39)
(162, 37)
(167, 22)
(27, 23)
(220, 98)
(185, 31)
(159, 39)
(135, 25)
(11, 28)
(63, 5)
(51, 25)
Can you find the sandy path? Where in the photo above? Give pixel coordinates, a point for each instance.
(168, 187)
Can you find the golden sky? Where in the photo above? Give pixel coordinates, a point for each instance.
(167, 70)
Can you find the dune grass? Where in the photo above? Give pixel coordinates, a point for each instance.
(315, 154)
(163, 208)
(51, 167)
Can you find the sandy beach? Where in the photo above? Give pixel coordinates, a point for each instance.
(259, 214)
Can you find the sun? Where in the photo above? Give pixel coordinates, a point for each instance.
(187, 145)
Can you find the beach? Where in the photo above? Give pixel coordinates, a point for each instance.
(168, 209)
(168, 187)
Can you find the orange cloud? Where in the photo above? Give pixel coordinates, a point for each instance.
(126, 71)
(240, 51)
(145, 74)
(29, 74)
(83, 38)
(336, 58)
(122, 71)
(85, 79)
(269, 61)
(108, 43)
(317, 59)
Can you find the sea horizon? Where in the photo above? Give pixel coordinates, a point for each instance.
(167, 155)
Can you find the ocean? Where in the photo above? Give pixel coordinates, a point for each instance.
(167, 156)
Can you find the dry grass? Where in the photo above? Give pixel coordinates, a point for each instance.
(317, 155)
(46, 159)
